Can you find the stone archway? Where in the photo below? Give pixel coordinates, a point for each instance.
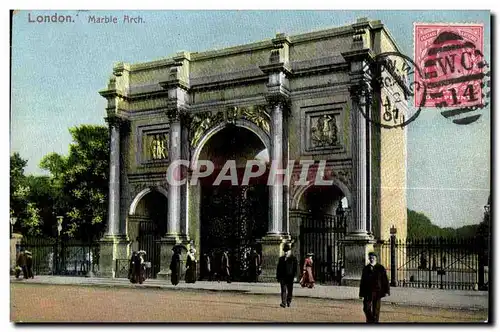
(320, 221)
(147, 223)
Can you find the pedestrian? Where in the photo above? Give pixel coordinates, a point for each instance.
(21, 262)
(307, 279)
(175, 266)
(29, 264)
(254, 267)
(140, 267)
(225, 268)
(207, 266)
(191, 267)
(131, 267)
(373, 287)
(285, 274)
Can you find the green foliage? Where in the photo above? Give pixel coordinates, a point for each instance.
(18, 188)
(420, 227)
(27, 214)
(77, 188)
(81, 179)
(46, 198)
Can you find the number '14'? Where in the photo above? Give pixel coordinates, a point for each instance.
(469, 92)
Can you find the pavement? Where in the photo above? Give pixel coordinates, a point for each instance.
(453, 299)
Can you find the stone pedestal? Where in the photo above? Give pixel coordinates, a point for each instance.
(166, 245)
(356, 257)
(112, 247)
(272, 249)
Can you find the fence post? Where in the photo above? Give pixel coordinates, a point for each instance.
(481, 260)
(430, 261)
(393, 256)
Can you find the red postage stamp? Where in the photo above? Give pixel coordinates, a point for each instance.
(451, 58)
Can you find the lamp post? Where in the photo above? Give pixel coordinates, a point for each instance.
(59, 229)
(59, 225)
(13, 221)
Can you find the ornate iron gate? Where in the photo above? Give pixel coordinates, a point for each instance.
(149, 234)
(233, 218)
(322, 235)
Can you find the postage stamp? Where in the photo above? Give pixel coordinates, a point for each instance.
(451, 56)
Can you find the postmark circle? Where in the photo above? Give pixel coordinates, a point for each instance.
(395, 79)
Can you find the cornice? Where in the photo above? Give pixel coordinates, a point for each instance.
(112, 93)
(173, 84)
(276, 68)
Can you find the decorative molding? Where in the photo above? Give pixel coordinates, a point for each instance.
(201, 122)
(138, 185)
(257, 114)
(334, 170)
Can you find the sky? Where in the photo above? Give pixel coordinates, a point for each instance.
(58, 69)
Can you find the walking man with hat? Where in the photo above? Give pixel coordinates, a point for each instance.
(373, 287)
(285, 273)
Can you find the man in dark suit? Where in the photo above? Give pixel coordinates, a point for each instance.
(285, 274)
(374, 286)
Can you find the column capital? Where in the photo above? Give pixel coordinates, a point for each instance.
(173, 114)
(280, 98)
(116, 121)
(361, 90)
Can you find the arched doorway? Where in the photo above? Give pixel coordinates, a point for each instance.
(233, 217)
(147, 223)
(322, 226)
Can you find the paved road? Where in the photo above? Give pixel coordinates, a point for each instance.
(69, 303)
(453, 299)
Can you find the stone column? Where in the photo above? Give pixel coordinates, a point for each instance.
(278, 99)
(276, 190)
(358, 226)
(357, 242)
(175, 233)
(114, 177)
(174, 191)
(113, 245)
(369, 131)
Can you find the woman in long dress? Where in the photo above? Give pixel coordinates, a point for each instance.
(175, 266)
(191, 267)
(307, 279)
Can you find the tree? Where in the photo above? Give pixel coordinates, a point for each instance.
(45, 197)
(82, 178)
(420, 226)
(18, 188)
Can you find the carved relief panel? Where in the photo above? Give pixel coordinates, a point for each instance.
(156, 146)
(152, 144)
(324, 130)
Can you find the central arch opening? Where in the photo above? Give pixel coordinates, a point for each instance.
(233, 217)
